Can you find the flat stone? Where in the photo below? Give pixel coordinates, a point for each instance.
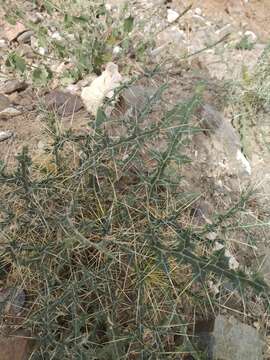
(4, 102)
(3, 44)
(26, 99)
(36, 18)
(8, 113)
(25, 37)
(214, 121)
(64, 104)
(16, 347)
(13, 85)
(229, 339)
(5, 135)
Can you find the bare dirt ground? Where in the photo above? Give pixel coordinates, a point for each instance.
(252, 15)
(242, 15)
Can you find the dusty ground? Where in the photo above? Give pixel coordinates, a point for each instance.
(251, 15)
(241, 15)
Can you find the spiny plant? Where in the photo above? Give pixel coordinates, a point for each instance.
(99, 245)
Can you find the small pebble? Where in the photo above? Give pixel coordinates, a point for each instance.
(5, 135)
(42, 51)
(3, 44)
(56, 36)
(11, 86)
(211, 236)
(36, 18)
(117, 50)
(198, 11)
(172, 15)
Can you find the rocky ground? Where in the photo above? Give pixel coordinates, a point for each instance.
(214, 43)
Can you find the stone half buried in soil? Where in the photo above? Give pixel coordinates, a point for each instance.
(64, 104)
(17, 346)
(5, 135)
(11, 86)
(25, 37)
(9, 113)
(225, 338)
(223, 143)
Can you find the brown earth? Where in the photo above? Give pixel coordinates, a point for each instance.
(253, 16)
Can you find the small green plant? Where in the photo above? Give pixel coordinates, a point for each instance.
(245, 44)
(84, 35)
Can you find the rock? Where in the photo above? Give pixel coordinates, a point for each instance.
(5, 135)
(228, 339)
(225, 140)
(25, 99)
(11, 32)
(8, 113)
(172, 15)
(211, 236)
(213, 120)
(243, 160)
(117, 50)
(12, 299)
(234, 340)
(25, 37)
(102, 87)
(3, 44)
(64, 104)
(56, 36)
(198, 11)
(13, 85)
(42, 51)
(4, 102)
(17, 347)
(36, 18)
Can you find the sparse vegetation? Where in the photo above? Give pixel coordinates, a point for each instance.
(99, 234)
(85, 34)
(100, 245)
